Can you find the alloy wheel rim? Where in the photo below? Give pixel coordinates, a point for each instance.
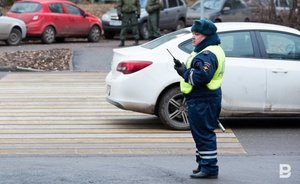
(177, 109)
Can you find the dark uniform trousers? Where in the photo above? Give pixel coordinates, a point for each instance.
(129, 21)
(203, 114)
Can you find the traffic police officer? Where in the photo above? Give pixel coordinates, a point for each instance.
(201, 79)
(129, 11)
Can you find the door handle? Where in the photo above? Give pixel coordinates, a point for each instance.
(279, 70)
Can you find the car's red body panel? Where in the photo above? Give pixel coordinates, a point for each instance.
(37, 15)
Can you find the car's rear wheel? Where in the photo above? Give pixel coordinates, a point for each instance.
(94, 34)
(15, 37)
(172, 110)
(144, 32)
(48, 35)
(180, 24)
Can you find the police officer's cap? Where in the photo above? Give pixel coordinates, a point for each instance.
(204, 26)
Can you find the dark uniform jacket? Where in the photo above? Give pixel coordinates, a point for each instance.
(203, 68)
(129, 6)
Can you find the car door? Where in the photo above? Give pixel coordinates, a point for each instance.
(59, 18)
(79, 24)
(168, 16)
(282, 51)
(244, 86)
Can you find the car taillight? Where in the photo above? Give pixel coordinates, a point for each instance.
(128, 67)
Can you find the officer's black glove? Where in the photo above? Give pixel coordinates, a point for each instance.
(177, 62)
(180, 68)
(138, 16)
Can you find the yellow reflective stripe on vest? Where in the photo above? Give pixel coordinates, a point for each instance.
(217, 79)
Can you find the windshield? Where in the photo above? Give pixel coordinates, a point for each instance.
(163, 39)
(213, 4)
(208, 4)
(26, 7)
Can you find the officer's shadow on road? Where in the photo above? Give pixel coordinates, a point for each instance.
(263, 123)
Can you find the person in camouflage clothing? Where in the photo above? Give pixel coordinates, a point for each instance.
(129, 11)
(153, 8)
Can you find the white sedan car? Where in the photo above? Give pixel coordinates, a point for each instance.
(261, 75)
(12, 30)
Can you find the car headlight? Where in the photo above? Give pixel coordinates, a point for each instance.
(105, 17)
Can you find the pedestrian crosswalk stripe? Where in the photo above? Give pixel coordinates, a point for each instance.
(65, 113)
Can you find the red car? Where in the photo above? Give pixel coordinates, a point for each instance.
(53, 20)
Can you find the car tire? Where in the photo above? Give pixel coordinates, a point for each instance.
(180, 24)
(144, 32)
(94, 34)
(14, 38)
(172, 109)
(48, 35)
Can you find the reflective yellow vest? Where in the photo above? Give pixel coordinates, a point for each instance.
(217, 79)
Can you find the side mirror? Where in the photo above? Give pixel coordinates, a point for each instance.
(84, 14)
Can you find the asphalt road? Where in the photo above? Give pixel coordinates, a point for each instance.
(269, 143)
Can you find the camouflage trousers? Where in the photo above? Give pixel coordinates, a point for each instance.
(129, 21)
(153, 25)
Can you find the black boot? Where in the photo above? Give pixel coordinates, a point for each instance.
(195, 171)
(122, 43)
(201, 175)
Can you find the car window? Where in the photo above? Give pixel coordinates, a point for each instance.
(73, 10)
(172, 3)
(165, 3)
(234, 44)
(25, 7)
(163, 39)
(281, 45)
(56, 8)
(213, 5)
(186, 46)
(196, 6)
(238, 4)
(237, 44)
(180, 2)
(282, 3)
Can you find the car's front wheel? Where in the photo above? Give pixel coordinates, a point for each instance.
(15, 37)
(48, 35)
(94, 34)
(172, 109)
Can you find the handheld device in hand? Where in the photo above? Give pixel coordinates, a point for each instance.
(176, 61)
